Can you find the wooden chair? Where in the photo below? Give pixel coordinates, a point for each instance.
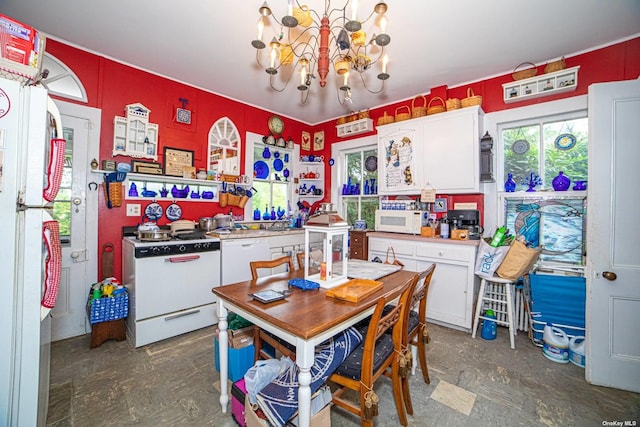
(300, 258)
(417, 335)
(255, 265)
(377, 355)
(261, 336)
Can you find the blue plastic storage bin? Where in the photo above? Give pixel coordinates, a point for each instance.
(240, 360)
(559, 300)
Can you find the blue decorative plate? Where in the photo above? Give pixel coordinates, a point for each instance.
(261, 169)
(565, 141)
(174, 212)
(278, 164)
(153, 211)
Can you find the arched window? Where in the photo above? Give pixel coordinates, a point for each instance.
(61, 81)
(224, 147)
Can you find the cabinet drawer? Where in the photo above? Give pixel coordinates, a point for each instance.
(357, 253)
(446, 252)
(400, 247)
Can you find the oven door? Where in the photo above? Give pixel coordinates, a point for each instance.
(167, 284)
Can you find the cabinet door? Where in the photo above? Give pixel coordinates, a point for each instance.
(452, 151)
(448, 299)
(399, 156)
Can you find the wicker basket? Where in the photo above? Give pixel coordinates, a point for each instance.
(225, 177)
(527, 73)
(471, 99)
(401, 115)
(419, 111)
(115, 193)
(554, 66)
(435, 109)
(234, 200)
(385, 119)
(224, 199)
(452, 104)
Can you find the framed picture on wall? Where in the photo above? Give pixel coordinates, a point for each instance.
(175, 161)
(305, 143)
(318, 141)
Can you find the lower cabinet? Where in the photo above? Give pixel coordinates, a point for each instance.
(454, 285)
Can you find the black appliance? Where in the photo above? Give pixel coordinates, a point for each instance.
(467, 219)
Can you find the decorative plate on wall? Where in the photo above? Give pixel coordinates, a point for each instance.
(521, 146)
(174, 212)
(565, 141)
(371, 163)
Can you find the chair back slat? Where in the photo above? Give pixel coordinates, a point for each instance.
(256, 265)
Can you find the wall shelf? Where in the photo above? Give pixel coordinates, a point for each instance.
(546, 84)
(355, 127)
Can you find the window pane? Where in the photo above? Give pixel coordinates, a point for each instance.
(521, 147)
(279, 200)
(369, 206)
(354, 168)
(350, 206)
(262, 198)
(565, 149)
(62, 203)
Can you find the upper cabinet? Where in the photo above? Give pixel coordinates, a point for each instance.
(133, 135)
(224, 147)
(440, 151)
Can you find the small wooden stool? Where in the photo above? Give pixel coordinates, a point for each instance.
(111, 330)
(500, 295)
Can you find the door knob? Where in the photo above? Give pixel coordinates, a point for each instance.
(609, 275)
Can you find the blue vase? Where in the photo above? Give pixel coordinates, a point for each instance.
(510, 184)
(561, 182)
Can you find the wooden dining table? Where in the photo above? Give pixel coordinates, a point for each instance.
(305, 318)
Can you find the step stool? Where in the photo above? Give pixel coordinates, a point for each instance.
(110, 330)
(497, 301)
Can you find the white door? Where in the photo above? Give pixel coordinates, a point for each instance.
(75, 208)
(613, 247)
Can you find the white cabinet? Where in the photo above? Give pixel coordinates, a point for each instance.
(444, 153)
(543, 85)
(133, 135)
(236, 255)
(454, 285)
(451, 161)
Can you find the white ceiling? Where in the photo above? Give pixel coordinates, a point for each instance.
(207, 43)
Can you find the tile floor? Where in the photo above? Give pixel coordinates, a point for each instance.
(473, 383)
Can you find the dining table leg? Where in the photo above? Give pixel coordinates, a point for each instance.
(305, 354)
(223, 347)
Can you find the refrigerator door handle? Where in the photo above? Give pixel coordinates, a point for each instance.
(55, 169)
(53, 267)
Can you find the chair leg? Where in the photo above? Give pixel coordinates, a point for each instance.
(414, 356)
(406, 395)
(476, 318)
(422, 354)
(397, 394)
(510, 315)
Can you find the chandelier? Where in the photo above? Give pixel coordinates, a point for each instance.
(311, 41)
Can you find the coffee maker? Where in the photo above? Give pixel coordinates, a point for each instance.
(466, 219)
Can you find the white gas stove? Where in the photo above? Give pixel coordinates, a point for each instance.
(169, 285)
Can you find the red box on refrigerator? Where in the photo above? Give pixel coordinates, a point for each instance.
(18, 42)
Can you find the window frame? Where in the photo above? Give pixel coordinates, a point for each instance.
(339, 152)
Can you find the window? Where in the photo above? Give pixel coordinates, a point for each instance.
(62, 203)
(271, 182)
(359, 189)
(545, 147)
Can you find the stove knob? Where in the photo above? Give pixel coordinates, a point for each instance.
(197, 246)
(182, 248)
(155, 250)
(206, 245)
(166, 249)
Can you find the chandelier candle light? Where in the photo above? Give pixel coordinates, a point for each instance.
(311, 40)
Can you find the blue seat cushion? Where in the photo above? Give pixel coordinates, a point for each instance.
(352, 365)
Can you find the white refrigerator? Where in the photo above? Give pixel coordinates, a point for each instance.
(31, 162)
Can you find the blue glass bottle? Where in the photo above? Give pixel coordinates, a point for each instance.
(266, 215)
(510, 184)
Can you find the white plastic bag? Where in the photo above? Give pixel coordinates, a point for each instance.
(489, 258)
(262, 373)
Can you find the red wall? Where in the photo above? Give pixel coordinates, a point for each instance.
(111, 85)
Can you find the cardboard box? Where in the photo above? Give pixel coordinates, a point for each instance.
(20, 44)
(240, 338)
(321, 419)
